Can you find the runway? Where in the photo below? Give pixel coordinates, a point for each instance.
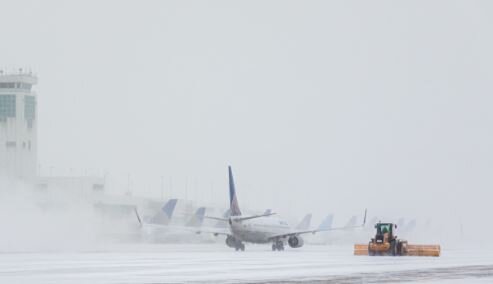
(215, 263)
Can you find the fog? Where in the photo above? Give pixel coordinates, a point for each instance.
(319, 106)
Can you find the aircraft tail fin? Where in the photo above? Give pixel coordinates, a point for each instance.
(305, 222)
(198, 218)
(352, 221)
(233, 200)
(326, 223)
(169, 208)
(163, 217)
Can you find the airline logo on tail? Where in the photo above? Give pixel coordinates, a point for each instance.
(233, 201)
(169, 207)
(163, 217)
(198, 218)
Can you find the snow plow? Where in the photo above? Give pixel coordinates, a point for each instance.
(386, 242)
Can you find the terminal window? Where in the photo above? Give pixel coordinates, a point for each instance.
(7, 105)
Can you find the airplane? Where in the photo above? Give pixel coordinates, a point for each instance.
(327, 222)
(352, 221)
(159, 225)
(221, 224)
(260, 229)
(305, 222)
(162, 217)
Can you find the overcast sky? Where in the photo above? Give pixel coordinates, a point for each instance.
(317, 105)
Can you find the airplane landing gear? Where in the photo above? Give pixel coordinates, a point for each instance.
(240, 246)
(278, 245)
(235, 243)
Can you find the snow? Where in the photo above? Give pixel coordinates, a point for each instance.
(216, 263)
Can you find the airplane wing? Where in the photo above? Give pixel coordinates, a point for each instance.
(239, 219)
(296, 233)
(214, 231)
(217, 231)
(217, 218)
(253, 217)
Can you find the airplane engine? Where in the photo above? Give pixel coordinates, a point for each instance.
(231, 242)
(295, 241)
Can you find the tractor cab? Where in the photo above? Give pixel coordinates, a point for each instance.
(385, 232)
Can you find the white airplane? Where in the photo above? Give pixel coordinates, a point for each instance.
(158, 227)
(305, 222)
(161, 218)
(260, 229)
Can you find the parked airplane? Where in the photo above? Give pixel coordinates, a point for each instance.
(158, 227)
(305, 222)
(260, 229)
(352, 221)
(162, 217)
(326, 223)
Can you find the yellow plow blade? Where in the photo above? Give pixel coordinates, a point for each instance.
(423, 250)
(361, 249)
(410, 250)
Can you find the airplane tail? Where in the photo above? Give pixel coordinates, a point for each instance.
(163, 217)
(197, 219)
(326, 223)
(305, 222)
(233, 201)
(169, 208)
(352, 222)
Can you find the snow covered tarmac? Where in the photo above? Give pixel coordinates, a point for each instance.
(215, 263)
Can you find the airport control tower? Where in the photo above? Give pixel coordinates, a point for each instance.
(18, 121)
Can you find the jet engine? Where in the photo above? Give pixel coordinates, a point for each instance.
(295, 241)
(232, 242)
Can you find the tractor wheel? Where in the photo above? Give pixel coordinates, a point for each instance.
(393, 247)
(370, 252)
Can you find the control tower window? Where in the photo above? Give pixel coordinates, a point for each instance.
(7, 106)
(26, 86)
(29, 108)
(7, 85)
(15, 85)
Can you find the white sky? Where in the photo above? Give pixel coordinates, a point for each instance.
(319, 105)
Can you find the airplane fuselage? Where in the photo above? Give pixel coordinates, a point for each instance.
(258, 230)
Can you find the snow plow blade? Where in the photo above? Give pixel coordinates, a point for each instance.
(423, 250)
(361, 249)
(408, 250)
